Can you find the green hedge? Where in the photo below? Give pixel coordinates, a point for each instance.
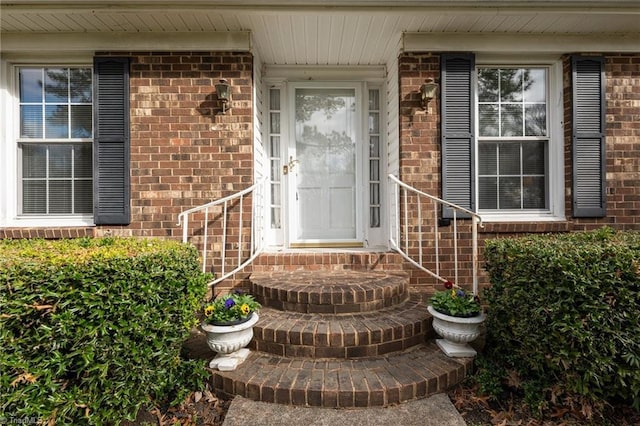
(92, 329)
(564, 313)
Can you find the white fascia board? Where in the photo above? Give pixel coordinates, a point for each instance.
(91, 42)
(524, 43)
(324, 72)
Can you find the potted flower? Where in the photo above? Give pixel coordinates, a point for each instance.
(457, 316)
(228, 322)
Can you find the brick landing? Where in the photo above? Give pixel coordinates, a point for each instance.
(340, 338)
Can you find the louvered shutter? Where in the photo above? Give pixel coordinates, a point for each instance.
(457, 121)
(111, 144)
(588, 136)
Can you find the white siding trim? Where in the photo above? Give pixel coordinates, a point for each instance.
(90, 42)
(529, 43)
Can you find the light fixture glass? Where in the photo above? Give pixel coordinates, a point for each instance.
(223, 91)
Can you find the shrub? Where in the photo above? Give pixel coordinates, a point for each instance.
(92, 329)
(563, 312)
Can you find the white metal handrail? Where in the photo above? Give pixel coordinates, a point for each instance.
(399, 235)
(256, 244)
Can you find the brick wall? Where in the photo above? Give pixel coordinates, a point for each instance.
(420, 149)
(184, 152)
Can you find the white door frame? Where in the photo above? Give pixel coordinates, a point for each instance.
(290, 182)
(284, 79)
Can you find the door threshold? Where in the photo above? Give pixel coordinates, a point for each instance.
(344, 244)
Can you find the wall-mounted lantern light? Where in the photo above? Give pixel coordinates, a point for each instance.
(223, 90)
(428, 92)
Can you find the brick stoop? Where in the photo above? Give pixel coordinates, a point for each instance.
(363, 382)
(340, 338)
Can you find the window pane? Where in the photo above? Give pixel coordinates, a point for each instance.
(488, 85)
(374, 146)
(275, 170)
(30, 85)
(34, 161)
(511, 85)
(375, 193)
(83, 196)
(81, 121)
(509, 190)
(80, 85)
(509, 159)
(374, 122)
(488, 158)
(275, 218)
(56, 88)
(535, 85)
(534, 192)
(59, 196)
(275, 122)
(275, 194)
(488, 193)
(374, 220)
(511, 122)
(374, 172)
(31, 121)
(274, 99)
(533, 158)
(374, 99)
(60, 161)
(535, 120)
(488, 120)
(34, 197)
(57, 121)
(275, 146)
(83, 161)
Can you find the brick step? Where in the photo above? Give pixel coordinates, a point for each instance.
(343, 336)
(364, 382)
(303, 260)
(329, 292)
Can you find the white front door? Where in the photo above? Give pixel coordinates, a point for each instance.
(323, 158)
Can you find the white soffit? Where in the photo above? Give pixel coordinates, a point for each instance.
(92, 42)
(524, 43)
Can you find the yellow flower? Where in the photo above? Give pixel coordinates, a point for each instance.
(453, 294)
(208, 310)
(245, 309)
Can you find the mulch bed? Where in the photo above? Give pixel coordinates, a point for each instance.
(206, 409)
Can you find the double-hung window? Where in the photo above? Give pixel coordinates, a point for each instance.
(513, 139)
(55, 141)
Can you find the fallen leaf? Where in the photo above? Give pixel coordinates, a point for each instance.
(197, 396)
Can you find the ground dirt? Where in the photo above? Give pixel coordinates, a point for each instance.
(206, 409)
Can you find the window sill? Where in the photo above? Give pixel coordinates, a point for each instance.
(525, 227)
(48, 222)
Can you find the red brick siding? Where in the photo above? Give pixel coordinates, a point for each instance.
(420, 150)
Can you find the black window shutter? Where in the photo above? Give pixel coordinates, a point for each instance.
(111, 143)
(457, 121)
(588, 135)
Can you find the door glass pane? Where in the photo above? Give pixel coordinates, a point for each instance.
(325, 136)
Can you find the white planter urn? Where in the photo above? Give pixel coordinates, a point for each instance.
(456, 333)
(228, 341)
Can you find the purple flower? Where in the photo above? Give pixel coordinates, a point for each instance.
(229, 303)
(460, 293)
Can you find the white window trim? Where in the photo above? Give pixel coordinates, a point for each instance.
(9, 167)
(556, 211)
